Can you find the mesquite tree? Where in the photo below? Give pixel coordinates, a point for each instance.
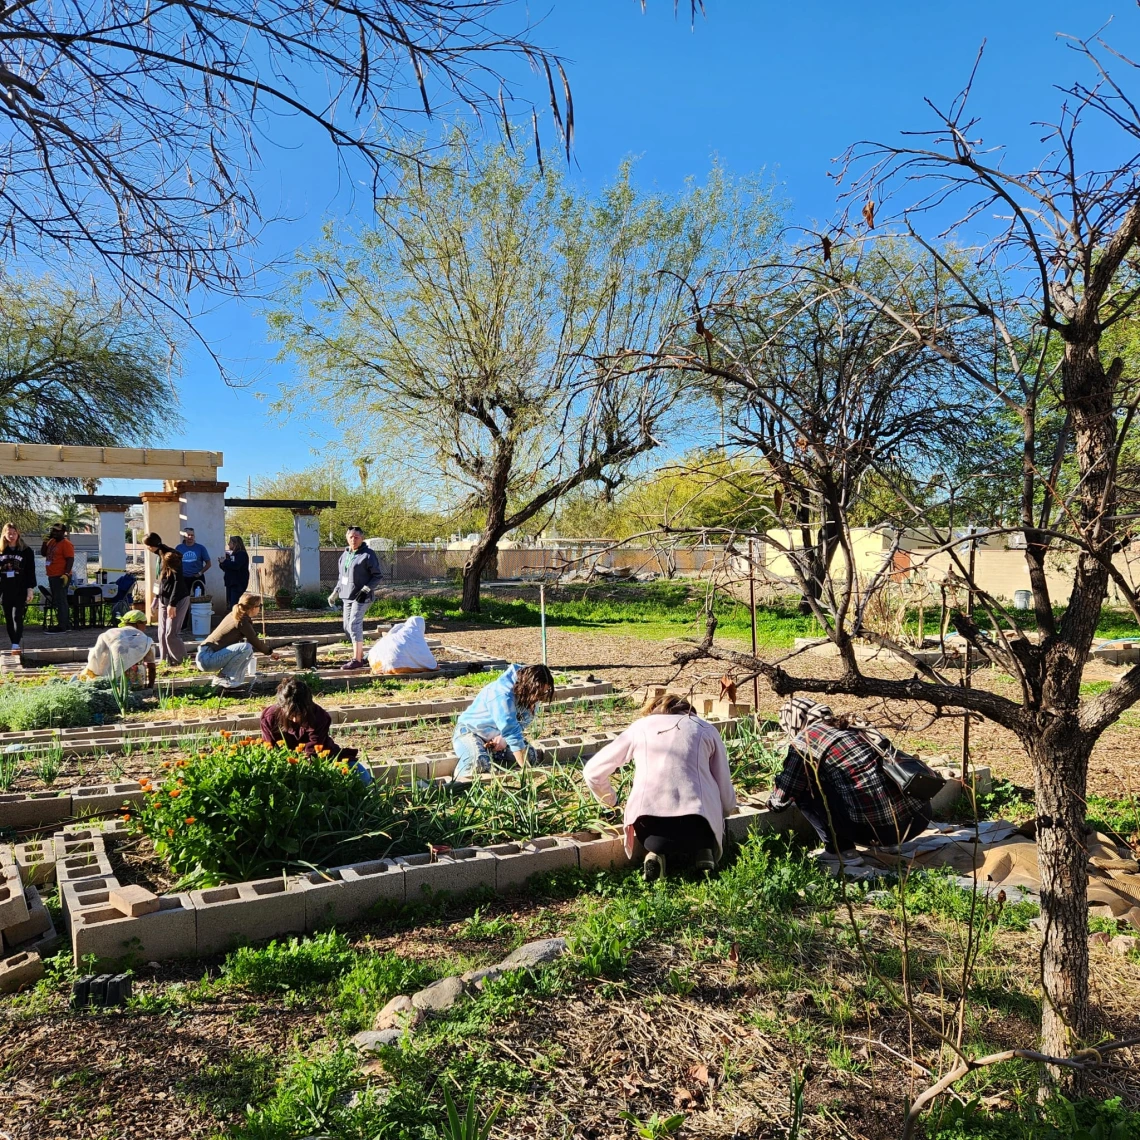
(1025, 330)
(132, 129)
(488, 331)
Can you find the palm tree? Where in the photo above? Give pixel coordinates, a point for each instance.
(72, 515)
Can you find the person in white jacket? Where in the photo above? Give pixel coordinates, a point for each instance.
(123, 652)
(682, 788)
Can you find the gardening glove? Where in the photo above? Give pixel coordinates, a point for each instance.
(334, 597)
(66, 579)
(364, 594)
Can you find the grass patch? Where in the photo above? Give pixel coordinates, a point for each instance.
(1057, 1119)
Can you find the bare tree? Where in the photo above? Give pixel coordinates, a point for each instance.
(133, 129)
(1029, 331)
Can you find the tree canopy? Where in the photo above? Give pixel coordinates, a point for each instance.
(487, 330)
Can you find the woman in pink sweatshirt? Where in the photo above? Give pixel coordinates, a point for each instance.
(682, 789)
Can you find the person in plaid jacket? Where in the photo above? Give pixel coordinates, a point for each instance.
(833, 774)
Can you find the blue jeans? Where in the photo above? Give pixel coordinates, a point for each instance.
(229, 663)
(475, 756)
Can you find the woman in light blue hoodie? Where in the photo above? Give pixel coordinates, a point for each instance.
(493, 727)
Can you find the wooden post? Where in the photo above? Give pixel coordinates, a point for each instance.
(752, 611)
(542, 616)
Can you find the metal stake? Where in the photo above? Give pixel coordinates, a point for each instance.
(968, 662)
(752, 610)
(542, 616)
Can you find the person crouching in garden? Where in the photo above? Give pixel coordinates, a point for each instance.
(682, 789)
(494, 725)
(295, 720)
(358, 577)
(123, 652)
(834, 774)
(229, 649)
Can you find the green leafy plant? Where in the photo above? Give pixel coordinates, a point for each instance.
(290, 964)
(656, 1127)
(49, 763)
(468, 1126)
(311, 600)
(54, 705)
(10, 768)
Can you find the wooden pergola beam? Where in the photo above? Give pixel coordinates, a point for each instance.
(44, 460)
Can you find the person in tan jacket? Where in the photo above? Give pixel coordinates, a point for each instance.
(229, 649)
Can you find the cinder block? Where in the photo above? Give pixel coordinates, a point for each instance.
(457, 872)
(85, 892)
(517, 862)
(134, 901)
(749, 818)
(247, 912)
(67, 845)
(7, 855)
(19, 971)
(105, 797)
(36, 860)
(106, 829)
(598, 851)
(13, 905)
(88, 866)
(33, 926)
(344, 894)
(39, 809)
(45, 944)
(108, 934)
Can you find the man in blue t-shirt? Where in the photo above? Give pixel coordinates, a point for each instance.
(195, 558)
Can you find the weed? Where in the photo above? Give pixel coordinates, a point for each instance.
(373, 980)
(293, 964)
(468, 1126)
(656, 1127)
(10, 769)
(1057, 1119)
(485, 929)
(224, 1089)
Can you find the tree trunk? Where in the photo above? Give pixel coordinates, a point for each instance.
(484, 555)
(1060, 764)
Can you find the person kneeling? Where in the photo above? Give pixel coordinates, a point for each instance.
(295, 720)
(494, 726)
(123, 652)
(834, 774)
(682, 789)
(229, 649)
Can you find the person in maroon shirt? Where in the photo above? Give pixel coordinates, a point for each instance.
(295, 718)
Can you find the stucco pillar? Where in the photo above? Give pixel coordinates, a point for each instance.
(161, 513)
(306, 550)
(202, 505)
(112, 538)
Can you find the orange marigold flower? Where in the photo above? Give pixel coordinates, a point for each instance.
(180, 764)
(227, 735)
(189, 819)
(175, 793)
(170, 831)
(282, 744)
(166, 763)
(292, 759)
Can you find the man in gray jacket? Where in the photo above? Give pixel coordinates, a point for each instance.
(357, 579)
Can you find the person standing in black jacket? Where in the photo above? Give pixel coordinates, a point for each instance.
(235, 570)
(17, 581)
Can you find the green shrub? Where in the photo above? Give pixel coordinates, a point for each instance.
(311, 600)
(243, 810)
(54, 705)
(292, 964)
(1057, 1119)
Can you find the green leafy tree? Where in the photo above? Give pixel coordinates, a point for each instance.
(79, 370)
(487, 328)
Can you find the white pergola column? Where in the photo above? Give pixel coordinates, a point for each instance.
(306, 549)
(203, 507)
(112, 537)
(161, 513)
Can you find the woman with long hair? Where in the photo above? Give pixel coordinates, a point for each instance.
(297, 721)
(493, 727)
(173, 603)
(235, 569)
(682, 789)
(17, 581)
(229, 648)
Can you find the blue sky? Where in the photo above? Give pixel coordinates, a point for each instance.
(781, 87)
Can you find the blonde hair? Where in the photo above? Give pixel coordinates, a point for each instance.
(665, 703)
(246, 603)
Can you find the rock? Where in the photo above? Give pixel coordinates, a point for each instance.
(534, 954)
(1124, 944)
(1100, 938)
(399, 1013)
(369, 1041)
(439, 996)
(476, 978)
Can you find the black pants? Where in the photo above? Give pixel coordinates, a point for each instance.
(679, 836)
(62, 604)
(233, 595)
(848, 833)
(14, 607)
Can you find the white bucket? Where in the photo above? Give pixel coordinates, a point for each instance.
(200, 615)
(1021, 599)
